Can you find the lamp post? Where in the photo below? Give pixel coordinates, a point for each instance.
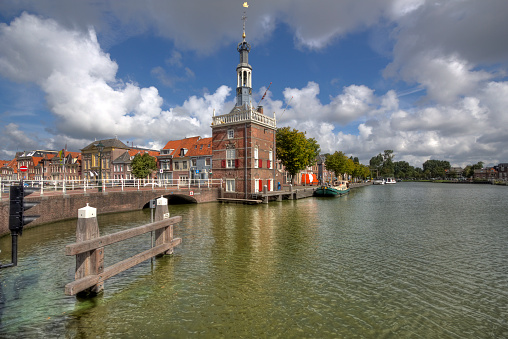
(100, 148)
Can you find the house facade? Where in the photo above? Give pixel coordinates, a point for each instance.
(94, 163)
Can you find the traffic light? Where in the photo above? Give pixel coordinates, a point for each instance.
(17, 217)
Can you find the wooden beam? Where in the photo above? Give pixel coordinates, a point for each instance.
(91, 280)
(105, 240)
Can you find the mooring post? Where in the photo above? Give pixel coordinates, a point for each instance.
(91, 262)
(163, 235)
(265, 194)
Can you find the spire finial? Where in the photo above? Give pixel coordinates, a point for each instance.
(244, 17)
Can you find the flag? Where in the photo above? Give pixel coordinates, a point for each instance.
(245, 4)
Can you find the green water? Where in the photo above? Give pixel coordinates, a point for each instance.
(411, 260)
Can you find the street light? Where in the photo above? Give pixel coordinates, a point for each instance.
(100, 148)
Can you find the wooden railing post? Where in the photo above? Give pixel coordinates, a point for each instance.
(91, 262)
(163, 235)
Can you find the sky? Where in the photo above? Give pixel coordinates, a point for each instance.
(426, 79)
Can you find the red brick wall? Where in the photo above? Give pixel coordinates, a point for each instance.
(257, 135)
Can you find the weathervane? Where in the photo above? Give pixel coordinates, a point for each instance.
(244, 17)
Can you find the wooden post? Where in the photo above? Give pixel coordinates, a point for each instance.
(163, 235)
(91, 262)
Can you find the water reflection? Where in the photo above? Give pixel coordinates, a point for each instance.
(404, 260)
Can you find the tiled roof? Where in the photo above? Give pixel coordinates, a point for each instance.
(36, 160)
(133, 152)
(202, 147)
(177, 145)
(108, 143)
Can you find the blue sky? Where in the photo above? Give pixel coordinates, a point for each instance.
(426, 79)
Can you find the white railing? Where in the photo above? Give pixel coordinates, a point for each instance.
(84, 185)
(241, 116)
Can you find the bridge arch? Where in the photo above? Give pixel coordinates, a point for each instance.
(175, 199)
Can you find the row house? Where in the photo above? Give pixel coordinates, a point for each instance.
(489, 173)
(97, 158)
(502, 170)
(174, 160)
(9, 169)
(65, 165)
(122, 167)
(201, 161)
(32, 160)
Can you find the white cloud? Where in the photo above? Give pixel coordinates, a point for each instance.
(82, 90)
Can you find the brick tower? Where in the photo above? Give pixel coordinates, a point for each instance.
(243, 140)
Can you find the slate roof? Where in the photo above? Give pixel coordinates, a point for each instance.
(108, 143)
(124, 158)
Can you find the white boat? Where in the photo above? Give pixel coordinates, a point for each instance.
(390, 181)
(379, 182)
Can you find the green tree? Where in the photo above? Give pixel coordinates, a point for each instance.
(469, 170)
(143, 165)
(402, 169)
(435, 168)
(383, 163)
(295, 151)
(337, 163)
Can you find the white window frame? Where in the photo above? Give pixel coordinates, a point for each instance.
(256, 157)
(183, 180)
(230, 158)
(230, 185)
(270, 157)
(256, 185)
(231, 133)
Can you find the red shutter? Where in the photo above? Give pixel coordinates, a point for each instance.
(268, 183)
(267, 163)
(223, 163)
(237, 163)
(260, 163)
(260, 185)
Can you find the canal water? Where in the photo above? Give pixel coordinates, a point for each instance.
(411, 260)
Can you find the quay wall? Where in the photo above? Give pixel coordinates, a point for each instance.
(60, 207)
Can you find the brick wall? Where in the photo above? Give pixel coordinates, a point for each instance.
(257, 136)
(60, 207)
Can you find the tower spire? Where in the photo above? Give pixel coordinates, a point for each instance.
(244, 70)
(244, 17)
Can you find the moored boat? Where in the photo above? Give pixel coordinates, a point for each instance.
(379, 182)
(339, 188)
(390, 181)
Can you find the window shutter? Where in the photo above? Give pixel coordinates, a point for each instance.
(260, 163)
(237, 163)
(223, 163)
(267, 163)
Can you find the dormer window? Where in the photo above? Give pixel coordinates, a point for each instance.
(183, 151)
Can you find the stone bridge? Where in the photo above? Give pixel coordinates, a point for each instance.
(56, 206)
